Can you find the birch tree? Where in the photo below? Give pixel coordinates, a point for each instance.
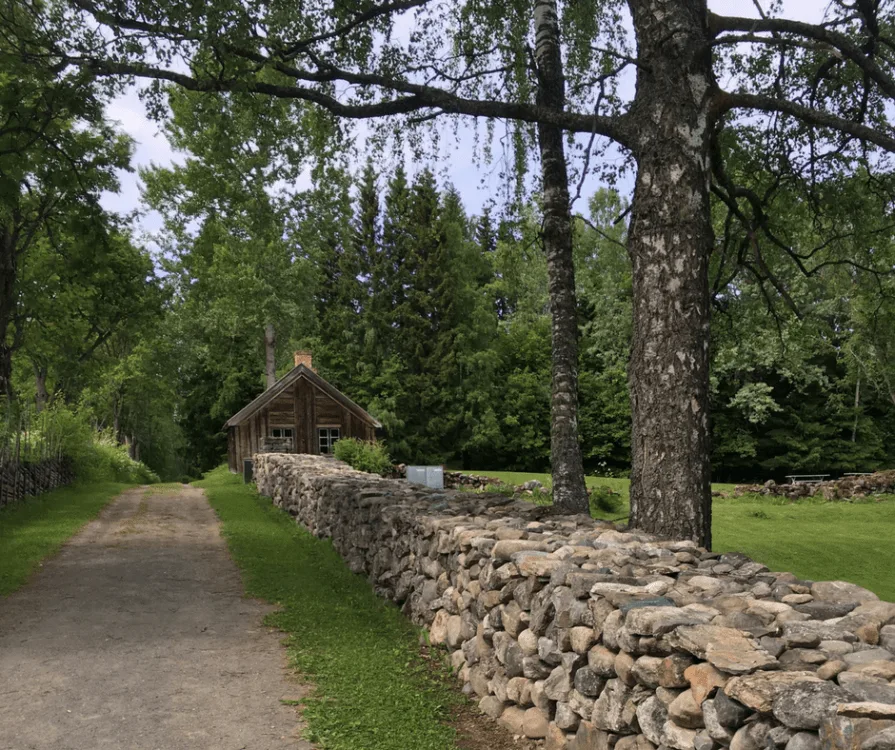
(820, 89)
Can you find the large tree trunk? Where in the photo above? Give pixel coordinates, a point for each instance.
(7, 309)
(670, 241)
(569, 492)
(270, 354)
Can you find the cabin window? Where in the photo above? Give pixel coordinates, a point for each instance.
(281, 432)
(327, 437)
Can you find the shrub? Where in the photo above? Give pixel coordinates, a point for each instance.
(364, 455)
(507, 490)
(542, 497)
(604, 500)
(111, 461)
(347, 450)
(95, 456)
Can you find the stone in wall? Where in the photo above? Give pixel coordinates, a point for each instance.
(572, 630)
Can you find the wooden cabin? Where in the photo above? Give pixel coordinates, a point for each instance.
(300, 413)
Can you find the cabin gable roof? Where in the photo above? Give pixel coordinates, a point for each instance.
(289, 379)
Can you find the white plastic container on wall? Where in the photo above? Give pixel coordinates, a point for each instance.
(430, 476)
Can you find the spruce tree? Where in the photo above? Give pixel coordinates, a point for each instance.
(453, 270)
(338, 347)
(366, 238)
(388, 283)
(416, 317)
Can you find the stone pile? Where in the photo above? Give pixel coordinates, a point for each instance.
(847, 488)
(457, 479)
(570, 630)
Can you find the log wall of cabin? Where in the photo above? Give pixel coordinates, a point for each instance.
(303, 408)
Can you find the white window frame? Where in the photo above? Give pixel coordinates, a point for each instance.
(327, 437)
(282, 432)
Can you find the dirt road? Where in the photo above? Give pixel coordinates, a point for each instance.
(136, 636)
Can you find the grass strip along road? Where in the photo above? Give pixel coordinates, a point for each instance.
(372, 689)
(37, 527)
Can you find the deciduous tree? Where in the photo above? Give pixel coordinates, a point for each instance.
(825, 88)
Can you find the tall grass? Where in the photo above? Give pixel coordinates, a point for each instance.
(64, 430)
(372, 690)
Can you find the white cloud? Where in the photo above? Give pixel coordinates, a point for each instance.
(150, 147)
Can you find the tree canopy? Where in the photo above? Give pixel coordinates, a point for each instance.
(760, 154)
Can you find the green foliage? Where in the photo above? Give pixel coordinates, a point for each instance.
(435, 321)
(80, 304)
(95, 456)
(438, 322)
(33, 530)
(604, 500)
(240, 240)
(109, 460)
(364, 455)
(541, 497)
(371, 688)
(348, 450)
(57, 156)
(507, 490)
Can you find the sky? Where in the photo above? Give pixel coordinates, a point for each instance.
(476, 185)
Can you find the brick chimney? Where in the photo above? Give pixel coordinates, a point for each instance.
(306, 358)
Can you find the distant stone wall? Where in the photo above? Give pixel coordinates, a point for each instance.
(568, 629)
(457, 479)
(847, 488)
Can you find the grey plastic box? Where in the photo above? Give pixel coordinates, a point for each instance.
(430, 476)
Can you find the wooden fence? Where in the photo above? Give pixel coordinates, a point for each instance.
(19, 480)
(31, 460)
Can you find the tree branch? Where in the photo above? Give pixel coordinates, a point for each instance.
(726, 101)
(600, 232)
(834, 39)
(423, 97)
(372, 14)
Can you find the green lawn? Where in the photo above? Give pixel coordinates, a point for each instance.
(518, 477)
(617, 484)
(37, 527)
(818, 541)
(373, 690)
(811, 538)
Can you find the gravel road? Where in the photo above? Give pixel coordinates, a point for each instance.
(137, 636)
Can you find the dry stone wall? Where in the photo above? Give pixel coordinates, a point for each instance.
(457, 479)
(846, 488)
(568, 629)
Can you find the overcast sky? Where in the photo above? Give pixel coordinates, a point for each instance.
(475, 185)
